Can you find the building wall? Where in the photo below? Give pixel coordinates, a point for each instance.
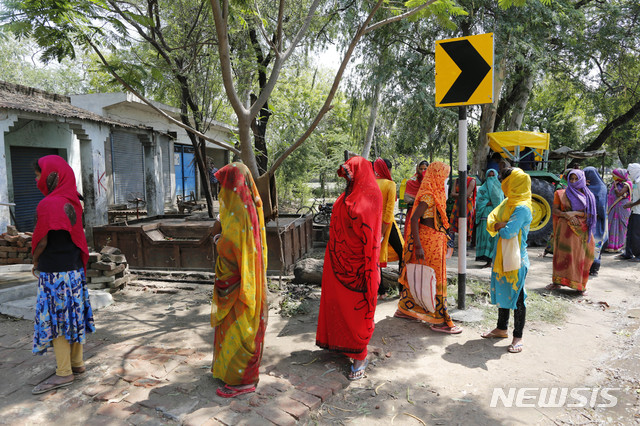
(43, 135)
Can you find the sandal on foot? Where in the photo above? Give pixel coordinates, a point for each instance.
(515, 349)
(552, 286)
(494, 335)
(443, 328)
(47, 386)
(231, 391)
(359, 373)
(402, 315)
(77, 371)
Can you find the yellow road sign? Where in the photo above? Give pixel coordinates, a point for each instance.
(464, 71)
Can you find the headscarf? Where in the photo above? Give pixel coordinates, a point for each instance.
(361, 207)
(60, 210)
(582, 200)
(634, 172)
(620, 179)
(517, 189)
(599, 190)
(494, 188)
(413, 184)
(381, 169)
(433, 184)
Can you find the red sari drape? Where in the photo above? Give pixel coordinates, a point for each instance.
(351, 275)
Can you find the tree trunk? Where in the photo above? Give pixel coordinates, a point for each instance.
(487, 121)
(372, 121)
(521, 95)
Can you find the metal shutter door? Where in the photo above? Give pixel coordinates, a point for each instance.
(128, 167)
(26, 194)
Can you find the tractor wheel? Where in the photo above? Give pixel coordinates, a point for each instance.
(542, 223)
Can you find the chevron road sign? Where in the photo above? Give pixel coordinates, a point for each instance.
(464, 71)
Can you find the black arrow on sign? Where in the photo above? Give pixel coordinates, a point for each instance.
(473, 66)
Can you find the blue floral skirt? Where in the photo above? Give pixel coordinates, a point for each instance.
(62, 309)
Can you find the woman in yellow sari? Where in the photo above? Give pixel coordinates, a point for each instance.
(239, 310)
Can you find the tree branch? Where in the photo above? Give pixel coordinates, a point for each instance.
(155, 108)
(398, 17)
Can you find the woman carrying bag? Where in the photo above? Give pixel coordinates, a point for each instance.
(510, 221)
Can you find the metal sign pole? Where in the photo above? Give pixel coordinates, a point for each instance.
(462, 206)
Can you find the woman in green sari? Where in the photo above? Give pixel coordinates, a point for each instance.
(489, 197)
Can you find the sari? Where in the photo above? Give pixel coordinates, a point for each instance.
(434, 244)
(617, 215)
(471, 211)
(489, 196)
(596, 185)
(351, 275)
(574, 245)
(516, 211)
(388, 190)
(239, 310)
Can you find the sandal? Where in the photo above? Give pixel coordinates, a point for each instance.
(231, 391)
(47, 386)
(552, 286)
(443, 328)
(78, 370)
(494, 335)
(399, 314)
(357, 374)
(515, 349)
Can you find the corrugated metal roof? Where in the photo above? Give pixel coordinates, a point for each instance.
(29, 99)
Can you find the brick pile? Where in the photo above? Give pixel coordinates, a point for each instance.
(107, 270)
(15, 247)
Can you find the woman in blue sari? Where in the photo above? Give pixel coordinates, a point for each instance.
(600, 232)
(489, 197)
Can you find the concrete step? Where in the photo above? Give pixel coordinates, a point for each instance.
(19, 291)
(25, 307)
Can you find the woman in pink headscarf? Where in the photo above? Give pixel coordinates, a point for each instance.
(618, 215)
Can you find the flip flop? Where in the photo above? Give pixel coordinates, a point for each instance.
(230, 392)
(78, 371)
(492, 335)
(446, 329)
(515, 349)
(357, 374)
(45, 386)
(552, 286)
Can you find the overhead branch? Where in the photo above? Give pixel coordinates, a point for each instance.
(611, 127)
(155, 108)
(397, 18)
(220, 15)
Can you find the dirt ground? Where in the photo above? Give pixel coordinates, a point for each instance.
(416, 376)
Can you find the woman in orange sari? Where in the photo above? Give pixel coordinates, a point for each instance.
(427, 245)
(239, 311)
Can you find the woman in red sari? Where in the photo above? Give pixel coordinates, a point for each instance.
(351, 275)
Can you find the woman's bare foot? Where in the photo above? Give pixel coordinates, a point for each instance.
(496, 333)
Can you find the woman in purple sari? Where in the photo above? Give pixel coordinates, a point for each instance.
(619, 195)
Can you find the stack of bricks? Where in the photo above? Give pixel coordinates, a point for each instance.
(15, 247)
(107, 270)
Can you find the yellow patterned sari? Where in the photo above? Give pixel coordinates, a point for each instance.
(239, 310)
